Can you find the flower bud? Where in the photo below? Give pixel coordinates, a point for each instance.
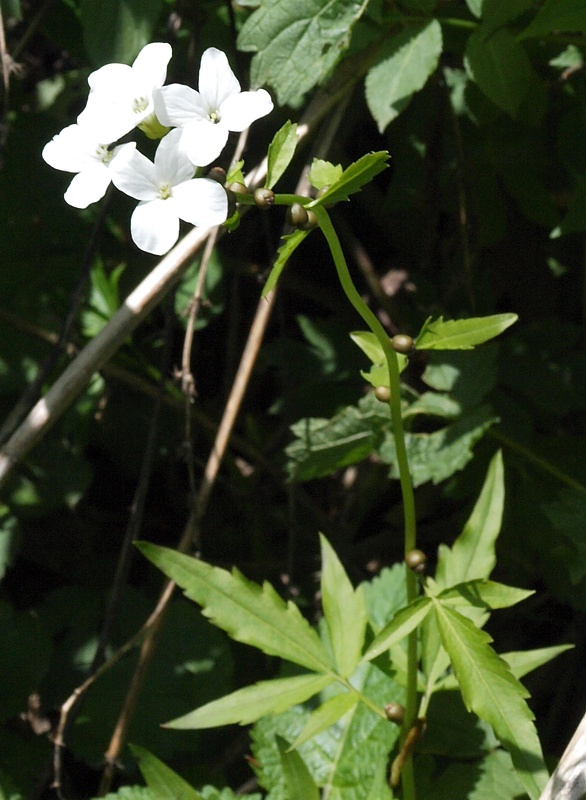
(297, 215)
(237, 187)
(311, 220)
(402, 343)
(416, 561)
(383, 393)
(264, 198)
(395, 712)
(217, 174)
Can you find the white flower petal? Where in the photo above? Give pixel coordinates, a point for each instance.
(203, 141)
(171, 162)
(88, 186)
(154, 226)
(71, 150)
(202, 202)
(178, 105)
(111, 78)
(240, 111)
(109, 115)
(151, 63)
(134, 174)
(217, 82)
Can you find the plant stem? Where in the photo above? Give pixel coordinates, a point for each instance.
(405, 476)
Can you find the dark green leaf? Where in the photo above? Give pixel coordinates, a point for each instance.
(116, 32)
(298, 780)
(297, 44)
(290, 243)
(404, 64)
(326, 714)
(557, 15)
(404, 621)
(163, 781)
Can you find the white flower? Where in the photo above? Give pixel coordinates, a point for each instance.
(207, 116)
(77, 150)
(121, 97)
(167, 192)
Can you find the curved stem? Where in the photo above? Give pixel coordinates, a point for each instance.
(405, 476)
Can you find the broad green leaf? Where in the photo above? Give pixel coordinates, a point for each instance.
(297, 44)
(557, 15)
(131, 793)
(475, 7)
(324, 445)
(473, 553)
(495, 13)
(345, 759)
(484, 594)
(433, 404)
(491, 778)
(281, 151)
(404, 64)
(461, 334)
(438, 455)
(566, 514)
(298, 779)
(327, 714)
(323, 173)
(161, 779)
(290, 243)
(468, 375)
(344, 610)
(385, 594)
(500, 67)
(249, 613)
(115, 32)
(491, 691)
(404, 621)
(103, 300)
(354, 178)
(253, 702)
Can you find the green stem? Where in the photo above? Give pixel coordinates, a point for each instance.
(404, 474)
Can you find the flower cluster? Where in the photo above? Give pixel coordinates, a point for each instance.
(123, 97)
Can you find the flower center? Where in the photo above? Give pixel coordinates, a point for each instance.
(140, 104)
(104, 154)
(214, 116)
(165, 191)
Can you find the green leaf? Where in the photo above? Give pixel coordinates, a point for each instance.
(491, 691)
(557, 15)
(525, 661)
(104, 299)
(344, 610)
(327, 714)
(298, 780)
(500, 67)
(404, 621)
(378, 375)
(404, 64)
(253, 702)
(297, 44)
(473, 553)
(461, 334)
(322, 173)
(438, 455)
(115, 32)
(161, 779)
(491, 778)
(131, 793)
(324, 445)
(248, 612)
(290, 243)
(281, 151)
(354, 178)
(483, 593)
(495, 13)
(11, 8)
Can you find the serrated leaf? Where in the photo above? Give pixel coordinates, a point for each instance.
(323, 173)
(235, 173)
(491, 691)
(297, 44)
(404, 64)
(404, 621)
(281, 151)
(462, 334)
(525, 661)
(438, 455)
(298, 780)
(484, 594)
(161, 779)
(344, 610)
(249, 613)
(473, 554)
(354, 178)
(324, 445)
(253, 702)
(290, 243)
(557, 15)
(500, 67)
(130, 793)
(325, 715)
(491, 778)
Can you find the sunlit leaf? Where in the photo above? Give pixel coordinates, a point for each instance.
(354, 178)
(290, 243)
(323, 173)
(327, 714)
(115, 32)
(249, 613)
(281, 151)
(461, 334)
(404, 621)
(298, 780)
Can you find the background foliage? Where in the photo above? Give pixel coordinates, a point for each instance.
(481, 105)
